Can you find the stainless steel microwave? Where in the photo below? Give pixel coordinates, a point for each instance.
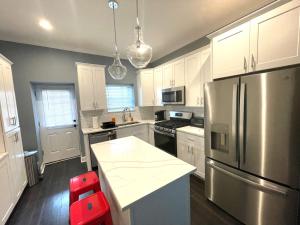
(173, 96)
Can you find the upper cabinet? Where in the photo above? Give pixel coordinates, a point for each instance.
(91, 82)
(174, 74)
(197, 72)
(275, 38)
(158, 86)
(7, 96)
(231, 52)
(267, 41)
(145, 87)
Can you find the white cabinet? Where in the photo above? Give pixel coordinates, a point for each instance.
(168, 75)
(140, 131)
(158, 86)
(14, 148)
(145, 87)
(231, 52)
(275, 38)
(267, 41)
(174, 74)
(197, 67)
(151, 134)
(179, 73)
(7, 96)
(91, 83)
(6, 190)
(190, 148)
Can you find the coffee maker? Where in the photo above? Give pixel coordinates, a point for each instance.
(160, 115)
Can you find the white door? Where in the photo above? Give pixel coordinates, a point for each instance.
(178, 73)
(231, 52)
(269, 49)
(86, 84)
(58, 122)
(192, 65)
(158, 86)
(168, 75)
(145, 86)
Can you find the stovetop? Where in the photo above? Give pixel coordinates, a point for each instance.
(173, 124)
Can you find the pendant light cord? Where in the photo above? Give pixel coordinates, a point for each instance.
(138, 27)
(115, 31)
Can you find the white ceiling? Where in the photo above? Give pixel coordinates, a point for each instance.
(86, 25)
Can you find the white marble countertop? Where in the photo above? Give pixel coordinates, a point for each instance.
(192, 130)
(3, 155)
(135, 169)
(93, 130)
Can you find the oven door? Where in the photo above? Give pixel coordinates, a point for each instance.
(165, 142)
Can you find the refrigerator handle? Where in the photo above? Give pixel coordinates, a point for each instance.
(234, 117)
(259, 185)
(242, 122)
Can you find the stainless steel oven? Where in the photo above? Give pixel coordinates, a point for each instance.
(173, 96)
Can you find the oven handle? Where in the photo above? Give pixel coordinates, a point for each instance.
(170, 135)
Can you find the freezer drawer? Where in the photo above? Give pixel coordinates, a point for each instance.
(248, 198)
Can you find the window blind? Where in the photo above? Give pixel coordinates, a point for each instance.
(119, 97)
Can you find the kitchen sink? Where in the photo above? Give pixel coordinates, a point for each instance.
(127, 123)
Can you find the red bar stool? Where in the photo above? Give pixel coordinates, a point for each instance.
(92, 210)
(82, 184)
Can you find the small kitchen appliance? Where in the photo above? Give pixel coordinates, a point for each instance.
(160, 115)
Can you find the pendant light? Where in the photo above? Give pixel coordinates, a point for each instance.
(116, 70)
(139, 54)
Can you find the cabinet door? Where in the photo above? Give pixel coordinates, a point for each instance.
(145, 88)
(85, 84)
(192, 66)
(168, 75)
(179, 73)
(16, 160)
(158, 86)
(141, 132)
(199, 156)
(99, 88)
(205, 72)
(4, 107)
(151, 135)
(231, 52)
(270, 49)
(6, 191)
(184, 149)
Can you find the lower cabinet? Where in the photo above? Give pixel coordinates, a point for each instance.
(151, 134)
(6, 190)
(14, 148)
(190, 148)
(140, 131)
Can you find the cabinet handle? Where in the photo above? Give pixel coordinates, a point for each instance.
(188, 148)
(245, 64)
(16, 137)
(252, 62)
(12, 121)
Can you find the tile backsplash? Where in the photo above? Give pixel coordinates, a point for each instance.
(140, 113)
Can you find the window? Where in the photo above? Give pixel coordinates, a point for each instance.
(58, 106)
(119, 97)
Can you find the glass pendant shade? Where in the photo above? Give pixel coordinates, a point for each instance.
(139, 53)
(116, 70)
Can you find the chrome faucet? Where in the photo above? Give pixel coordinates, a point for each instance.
(126, 109)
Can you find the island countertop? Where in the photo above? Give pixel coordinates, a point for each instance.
(134, 169)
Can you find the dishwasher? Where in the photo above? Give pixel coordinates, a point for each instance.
(100, 137)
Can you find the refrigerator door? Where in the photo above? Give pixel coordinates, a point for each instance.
(221, 101)
(250, 199)
(270, 125)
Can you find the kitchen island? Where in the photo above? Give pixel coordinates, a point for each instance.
(144, 185)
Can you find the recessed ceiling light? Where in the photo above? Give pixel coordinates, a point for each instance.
(45, 24)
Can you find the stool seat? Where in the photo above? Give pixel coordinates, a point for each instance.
(82, 184)
(92, 210)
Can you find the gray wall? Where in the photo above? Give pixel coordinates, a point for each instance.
(181, 51)
(33, 64)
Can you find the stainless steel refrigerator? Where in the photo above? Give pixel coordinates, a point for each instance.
(252, 146)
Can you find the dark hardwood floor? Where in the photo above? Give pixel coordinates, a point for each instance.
(47, 203)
